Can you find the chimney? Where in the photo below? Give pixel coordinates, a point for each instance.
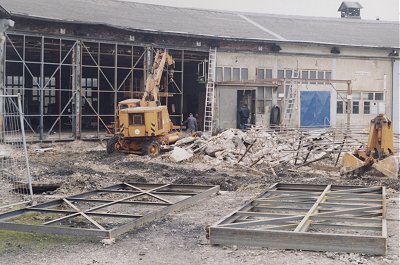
(350, 9)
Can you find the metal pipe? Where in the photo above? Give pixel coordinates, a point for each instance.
(28, 170)
(41, 81)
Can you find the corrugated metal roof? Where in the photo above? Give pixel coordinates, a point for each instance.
(4, 14)
(348, 4)
(223, 24)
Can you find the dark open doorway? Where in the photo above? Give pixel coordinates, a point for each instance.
(246, 97)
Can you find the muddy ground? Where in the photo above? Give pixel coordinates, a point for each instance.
(180, 238)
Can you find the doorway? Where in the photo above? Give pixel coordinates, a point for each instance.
(246, 97)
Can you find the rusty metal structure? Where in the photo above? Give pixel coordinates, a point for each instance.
(309, 217)
(107, 212)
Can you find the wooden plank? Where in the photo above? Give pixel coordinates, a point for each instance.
(342, 206)
(148, 193)
(357, 220)
(121, 202)
(372, 245)
(303, 224)
(258, 214)
(372, 196)
(278, 220)
(84, 215)
(348, 227)
(247, 207)
(358, 201)
(155, 192)
(279, 209)
(294, 192)
(281, 203)
(159, 214)
(44, 210)
(54, 230)
(351, 211)
(384, 223)
(282, 227)
(358, 190)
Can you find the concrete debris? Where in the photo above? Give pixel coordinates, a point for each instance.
(5, 151)
(42, 150)
(180, 154)
(108, 241)
(259, 148)
(185, 141)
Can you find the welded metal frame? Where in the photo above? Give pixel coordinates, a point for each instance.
(159, 192)
(309, 217)
(42, 86)
(77, 65)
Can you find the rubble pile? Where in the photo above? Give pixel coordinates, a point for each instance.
(259, 148)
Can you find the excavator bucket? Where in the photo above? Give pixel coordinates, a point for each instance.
(388, 166)
(350, 164)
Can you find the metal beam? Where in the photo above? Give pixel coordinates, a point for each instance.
(58, 225)
(279, 218)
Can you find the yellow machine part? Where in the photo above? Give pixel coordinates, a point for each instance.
(388, 166)
(378, 153)
(144, 121)
(350, 163)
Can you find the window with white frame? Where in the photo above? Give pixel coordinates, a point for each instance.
(227, 73)
(231, 74)
(264, 99)
(263, 73)
(373, 102)
(89, 86)
(287, 73)
(49, 92)
(14, 85)
(219, 75)
(361, 103)
(305, 74)
(316, 74)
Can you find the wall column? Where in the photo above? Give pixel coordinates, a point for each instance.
(4, 25)
(396, 97)
(76, 90)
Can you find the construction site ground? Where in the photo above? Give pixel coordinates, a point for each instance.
(180, 238)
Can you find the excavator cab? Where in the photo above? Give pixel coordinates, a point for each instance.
(143, 125)
(379, 152)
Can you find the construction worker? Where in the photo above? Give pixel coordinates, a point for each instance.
(244, 114)
(191, 124)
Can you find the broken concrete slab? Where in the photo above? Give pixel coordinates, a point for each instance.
(180, 154)
(186, 140)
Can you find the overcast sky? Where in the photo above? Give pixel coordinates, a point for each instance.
(384, 9)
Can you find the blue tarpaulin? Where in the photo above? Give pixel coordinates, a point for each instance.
(315, 108)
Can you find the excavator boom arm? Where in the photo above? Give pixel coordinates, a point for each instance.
(154, 79)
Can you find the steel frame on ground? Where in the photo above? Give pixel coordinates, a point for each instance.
(158, 192)
(309, 217)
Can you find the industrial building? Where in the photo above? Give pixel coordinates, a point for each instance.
(73, 64)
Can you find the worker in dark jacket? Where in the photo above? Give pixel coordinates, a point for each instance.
(244, 114)
(191, 124)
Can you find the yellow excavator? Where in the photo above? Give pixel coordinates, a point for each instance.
(142, 125)
(379, 153)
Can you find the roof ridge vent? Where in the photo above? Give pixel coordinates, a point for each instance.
(350, 9)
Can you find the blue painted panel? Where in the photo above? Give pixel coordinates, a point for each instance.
(315, 108)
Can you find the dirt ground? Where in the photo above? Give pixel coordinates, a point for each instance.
(180, 238)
